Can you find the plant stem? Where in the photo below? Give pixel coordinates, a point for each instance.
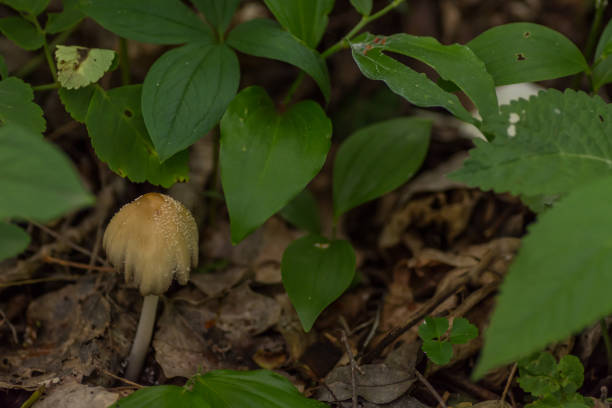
(34, 397)
(124, 61)
(589, 49)
(341, 44)
(46, 87)
(142, 338)
(607, 343)
(46, 50)
(32, 64)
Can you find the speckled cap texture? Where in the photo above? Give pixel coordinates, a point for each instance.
(152, 239)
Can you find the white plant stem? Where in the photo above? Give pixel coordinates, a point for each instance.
(142, 338)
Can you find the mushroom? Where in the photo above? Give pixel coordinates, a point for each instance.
(151, 239)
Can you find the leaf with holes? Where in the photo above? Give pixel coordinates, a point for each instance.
(550, 144)
(527, 52)
(264, 38)
(305, 19)
(185, 94)
(316, 271)
(22, 32)
(377, 159)
(120, 139)
(559, 281)
(37, 180)
(13, 240)
(267, 157)
(152, 21)
(16, 106)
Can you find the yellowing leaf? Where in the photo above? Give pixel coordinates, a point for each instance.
(80, 66)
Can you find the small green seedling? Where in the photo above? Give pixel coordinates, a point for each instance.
(552, 384)
(437, 345)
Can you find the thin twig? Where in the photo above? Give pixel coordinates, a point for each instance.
(59, 237)
(3, 320)
(430, 388)
(375, 325)
(508, 382)
(50, 259)
(353, 368)
(41, 280)
(125, 380)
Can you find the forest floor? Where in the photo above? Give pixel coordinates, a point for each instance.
(431, 247)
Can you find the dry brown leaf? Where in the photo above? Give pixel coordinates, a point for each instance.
(74, 395)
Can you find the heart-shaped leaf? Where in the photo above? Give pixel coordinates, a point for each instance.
(316, 271)
(185, 94)
(268, 157)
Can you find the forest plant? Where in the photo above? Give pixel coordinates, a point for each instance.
(437, 344)
(552, 145)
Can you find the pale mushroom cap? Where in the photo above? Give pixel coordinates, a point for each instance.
(152, 238)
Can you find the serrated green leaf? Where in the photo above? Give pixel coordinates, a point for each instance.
(456, 63)
(303, 212)
(119, 137)
(185, 94)
(66, 19)
(415, 87)
(217, 13)
(305, 19)
(244, 389)
(602, 68)
(267, 158)
(364, 7)
(78, 67)
(571, 372)
(16, 106)
(462, 331)
(3, 68)
(22, 32)
(163, 396)
(433, 328)
(76, 101)
(152, 21)
(34, 7)
(440, 352)
(558, 282)
(527, 52)
(538, 374)
(561, 142)
(377, 159)
(264, 38)
(316, 271)
(37, 180)
(13, 240)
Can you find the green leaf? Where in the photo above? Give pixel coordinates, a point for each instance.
(163, 396)
(264, 38)
(119, 137)
(415, 87)
(13, 240)
(78, 67)
(34, 7)
(433, 328)
(76, 101)
(456, 63)
(537, 374)
(305, 19)
(462, 331)
(16, 106)
(245, 389)
(303, 212)
(316, 271)
(561, 142)
(364, 7)
(217, 13)
(571, 372)
(70, 16)
(3, 68)
(527, 52)
(185, 94)
(559, 281)
(602, 70)
(152, 21)
(267, 158)
(22, 32)
(378, 159)
(440, 352)
(37, 180)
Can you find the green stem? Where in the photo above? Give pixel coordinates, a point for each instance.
(607, 343)
(34, 397)
(32, 64)
(589, 49)
(342, 43)
(46, 87)
(124, 61)
(46, 49)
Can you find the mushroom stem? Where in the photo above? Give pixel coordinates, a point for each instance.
(142, 338)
